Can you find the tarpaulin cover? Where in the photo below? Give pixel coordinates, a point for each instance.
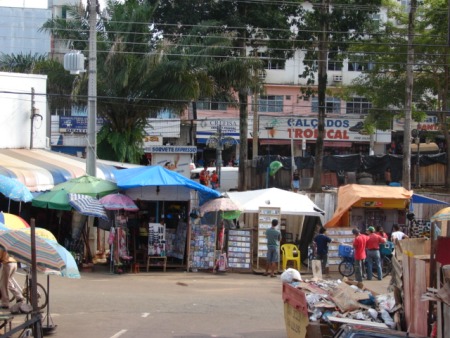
(41, 170)
(421, 199)
(290, 202)
(350, 194)
(158, 176)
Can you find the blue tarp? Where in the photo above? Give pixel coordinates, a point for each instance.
(420, 199)
(158, 176)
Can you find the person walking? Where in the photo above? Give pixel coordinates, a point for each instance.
(321, 241)
(359, 246)
(204, 176)
(273, 243)
(397, 234)
(9, 268)
(373, 253)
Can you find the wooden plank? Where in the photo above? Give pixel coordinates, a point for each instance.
(406, 290)
(357, 322)
(419, 317)
(317, 269)
(415, 246)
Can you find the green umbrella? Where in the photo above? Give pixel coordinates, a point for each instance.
(58, 199)
(88, 185)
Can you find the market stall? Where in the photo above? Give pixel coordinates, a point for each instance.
(165, 200)
(293, 211)
(362, 206)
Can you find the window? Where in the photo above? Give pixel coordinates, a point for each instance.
(333, 62)
(211, 105)
(166, 113)
(271, 63)
(359, 63)
(358, 105)
(270, 103)
(333, 105)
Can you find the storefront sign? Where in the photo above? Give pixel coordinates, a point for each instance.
(171, 149)
(153, 141)
(295, 128)
(76, 124)
(430, 124)
(336, 129)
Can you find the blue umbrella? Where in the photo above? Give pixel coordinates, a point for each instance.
(14, 190)
(87, 205)
(71, 269)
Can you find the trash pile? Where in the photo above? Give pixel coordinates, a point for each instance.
(341, 300)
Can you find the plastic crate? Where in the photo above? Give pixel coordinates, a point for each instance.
(345, 251)
(386, 248)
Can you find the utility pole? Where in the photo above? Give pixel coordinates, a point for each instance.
(32, 117)
(255, 125)
(406, 179)
(91, 153)
(219, 154)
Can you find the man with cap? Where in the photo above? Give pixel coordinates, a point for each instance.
(373, 253)
(359, 246)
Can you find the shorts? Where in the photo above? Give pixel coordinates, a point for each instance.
(296, 184)
(272, 254)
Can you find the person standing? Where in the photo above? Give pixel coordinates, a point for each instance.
(9, 268)
(214, 180)
(373, 253)
(321, 241)
(296, 180)
(204, 176)
(359, 246)
(273, 243)
(397, 234)
(381, 233)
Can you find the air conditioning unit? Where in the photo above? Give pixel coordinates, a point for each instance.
(337, 78)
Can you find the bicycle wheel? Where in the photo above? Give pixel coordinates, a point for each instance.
(42, 300)
(386, 266)
(346, 268)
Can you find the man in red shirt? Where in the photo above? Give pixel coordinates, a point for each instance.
(359, 244)
(373, 253)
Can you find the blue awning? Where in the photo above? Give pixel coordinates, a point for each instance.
(421, 199)
(156, 175)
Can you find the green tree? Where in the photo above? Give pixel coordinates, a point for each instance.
(384, 84)
(248, 26)
(330, 27)
(135, 79)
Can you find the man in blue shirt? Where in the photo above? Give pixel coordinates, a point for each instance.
(273, 242)
(321, 241)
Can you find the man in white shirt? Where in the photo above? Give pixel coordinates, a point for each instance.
(397, 235)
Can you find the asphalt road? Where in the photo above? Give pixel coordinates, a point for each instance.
(163, 305)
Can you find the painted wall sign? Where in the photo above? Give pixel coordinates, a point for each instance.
(171, 149)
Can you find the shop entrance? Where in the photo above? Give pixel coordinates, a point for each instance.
(160, 230)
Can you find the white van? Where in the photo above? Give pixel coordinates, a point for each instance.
(228, 179)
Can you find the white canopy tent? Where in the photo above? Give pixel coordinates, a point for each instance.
(290, 203)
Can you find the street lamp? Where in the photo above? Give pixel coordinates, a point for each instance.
(268, 128)
(219, 142)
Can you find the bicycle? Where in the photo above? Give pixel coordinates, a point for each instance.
(42, 295)
(347, 268)
(347, 265)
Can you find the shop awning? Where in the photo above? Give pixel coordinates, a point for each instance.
(425, 148)
(41, 170)
(369, 196)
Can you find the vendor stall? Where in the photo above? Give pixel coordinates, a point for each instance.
(362, 206)
(294, 212)
(167, 198)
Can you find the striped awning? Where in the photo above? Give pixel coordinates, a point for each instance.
(41, 170)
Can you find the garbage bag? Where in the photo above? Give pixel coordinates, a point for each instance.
(290, 275)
